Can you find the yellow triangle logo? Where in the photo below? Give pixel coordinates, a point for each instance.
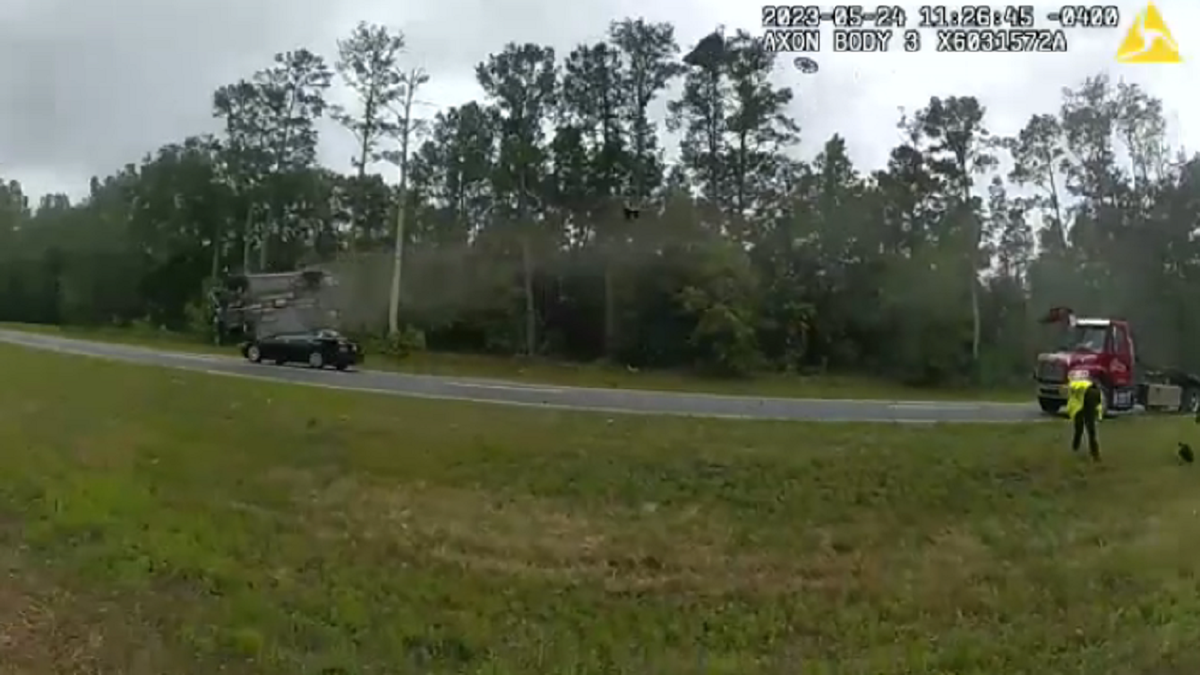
(1149, 40)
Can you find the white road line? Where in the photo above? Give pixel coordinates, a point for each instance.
(934, 406)
(566, 407)
(506, 387)
(206, 358)
(473, 399)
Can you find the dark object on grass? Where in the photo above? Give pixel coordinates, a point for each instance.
(632, 213)
(1186, 454)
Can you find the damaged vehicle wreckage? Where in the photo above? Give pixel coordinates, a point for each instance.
(289, 317)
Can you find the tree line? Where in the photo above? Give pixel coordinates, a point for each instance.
(546, 219)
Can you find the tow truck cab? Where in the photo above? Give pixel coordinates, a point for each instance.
(1106, 350)
(1102, 347)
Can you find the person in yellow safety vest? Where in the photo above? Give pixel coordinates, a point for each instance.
(1085, 406)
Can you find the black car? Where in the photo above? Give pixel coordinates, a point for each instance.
(318, 349)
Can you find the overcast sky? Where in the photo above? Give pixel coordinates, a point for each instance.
(91, 84)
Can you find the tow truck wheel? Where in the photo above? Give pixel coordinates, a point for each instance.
(1050, 406)
(253, 354)
(1105, 399)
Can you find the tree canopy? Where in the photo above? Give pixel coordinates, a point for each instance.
(550, 217)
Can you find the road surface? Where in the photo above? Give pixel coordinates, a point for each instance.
(551, 396)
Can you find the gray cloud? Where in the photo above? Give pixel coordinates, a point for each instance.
(88, 86)
(93, 85)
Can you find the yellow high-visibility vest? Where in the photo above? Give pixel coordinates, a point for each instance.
(1075, 393)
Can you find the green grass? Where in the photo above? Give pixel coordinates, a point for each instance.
(159, 521)
(584, 374)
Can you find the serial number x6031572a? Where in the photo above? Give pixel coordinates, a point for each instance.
(1001, 40)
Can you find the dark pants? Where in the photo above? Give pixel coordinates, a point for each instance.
(1085, 420)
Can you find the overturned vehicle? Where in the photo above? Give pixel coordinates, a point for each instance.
(251, 306)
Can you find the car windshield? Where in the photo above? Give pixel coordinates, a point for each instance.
(328, 333)
(1083, 338)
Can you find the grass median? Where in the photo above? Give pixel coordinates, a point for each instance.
(164, 521)
(545, 371)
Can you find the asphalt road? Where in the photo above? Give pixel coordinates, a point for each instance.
(551, 396)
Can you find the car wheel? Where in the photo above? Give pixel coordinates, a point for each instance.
(315, 360)
(253, 354)
(343, 366)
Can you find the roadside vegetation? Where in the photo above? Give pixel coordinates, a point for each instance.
(544, 219)
(164, 521)
(564, 373)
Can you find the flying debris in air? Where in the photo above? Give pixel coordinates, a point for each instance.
(709, 53)
(805, 65)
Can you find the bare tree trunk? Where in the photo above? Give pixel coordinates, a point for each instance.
(247, 228)
(976, 242)
(610, 308)
(359, 188)
(415, 77)
(714, 141)
(213, 273)
(614, 246)
(976, 324)
(530, 306)
(397, 261)
(1054, 202)
(216, 255)
(263, 239)
(527, 273)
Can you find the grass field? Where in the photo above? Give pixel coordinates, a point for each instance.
(582, 374)
(156, 521)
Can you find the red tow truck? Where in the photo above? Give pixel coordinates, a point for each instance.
(1106, 349)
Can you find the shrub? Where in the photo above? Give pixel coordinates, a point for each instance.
(406, 341)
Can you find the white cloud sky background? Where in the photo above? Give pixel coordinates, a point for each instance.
(88, 86)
